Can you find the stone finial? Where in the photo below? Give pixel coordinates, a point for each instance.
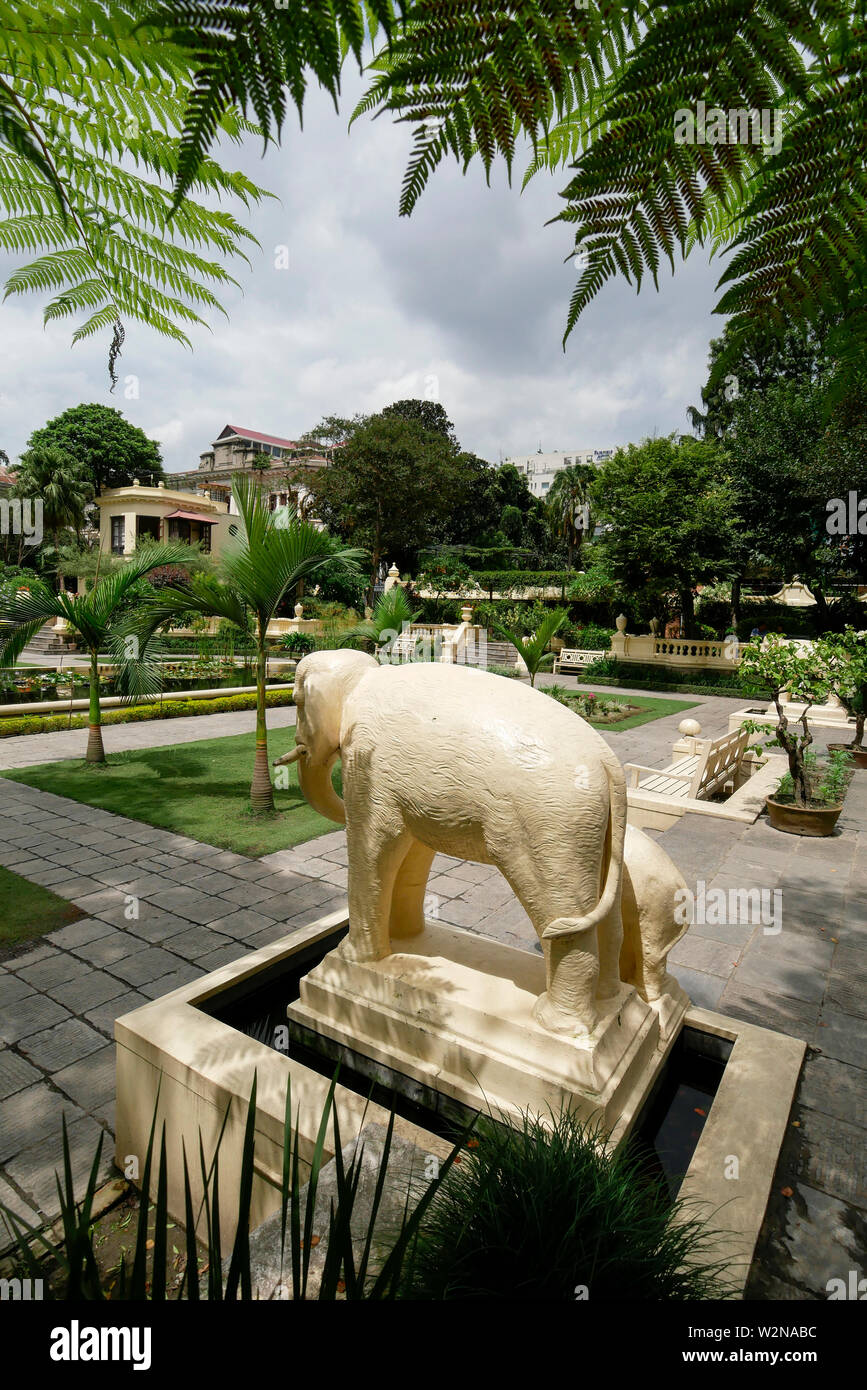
(393, 572)
(161, 483)
(466, 613)
(299, 611)
(620, 622)
(654, 626)
(690, 728)
(136, 483)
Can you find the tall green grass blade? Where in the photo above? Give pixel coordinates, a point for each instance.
(161, 1220)
(328, 1109)
(190, 1280)
(239, 1264)
(375, 1204)
(286, 1175)
(388, 1280)
(138, 1278)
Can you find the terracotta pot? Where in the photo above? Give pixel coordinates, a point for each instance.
(803, 820)
(859, 755)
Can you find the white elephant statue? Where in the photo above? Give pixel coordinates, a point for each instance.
(444, 758)
(651, 884)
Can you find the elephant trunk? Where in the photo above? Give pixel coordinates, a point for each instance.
(318, 789)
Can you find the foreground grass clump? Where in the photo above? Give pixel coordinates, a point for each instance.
(354, 1267)
(533, 1214)
(199, 789)
(28, 911)
(540, 1213)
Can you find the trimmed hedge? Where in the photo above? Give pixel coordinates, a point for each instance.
(509, 581)
(732, 692)
(136, 714)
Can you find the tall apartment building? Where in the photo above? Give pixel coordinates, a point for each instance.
(541, 468)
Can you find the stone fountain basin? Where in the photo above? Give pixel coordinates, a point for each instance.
(198, 1065)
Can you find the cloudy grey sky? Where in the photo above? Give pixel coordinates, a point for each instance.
(470, 293)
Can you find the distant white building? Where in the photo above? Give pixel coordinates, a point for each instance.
(540, 469)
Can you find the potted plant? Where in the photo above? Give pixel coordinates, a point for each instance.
(845, 655)
(809, 798)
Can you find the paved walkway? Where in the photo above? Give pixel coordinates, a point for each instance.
(28, 750)
(163, 909)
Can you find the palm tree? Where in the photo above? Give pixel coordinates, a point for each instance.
(390, 612)
(99, 617)
(62, 484)
(271, 558)
(567, 506)
(534, 649)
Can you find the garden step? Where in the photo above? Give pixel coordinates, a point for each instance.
(501, 653)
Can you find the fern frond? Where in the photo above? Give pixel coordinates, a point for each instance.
(107, 103)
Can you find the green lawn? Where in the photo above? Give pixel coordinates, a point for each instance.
(28, 910)
(650, 708)
(199, 789)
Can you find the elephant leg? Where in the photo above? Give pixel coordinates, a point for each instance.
(572, 969)
(573, 961)
(631, 952)
(582, 968)
(407, 898)
(376, 848)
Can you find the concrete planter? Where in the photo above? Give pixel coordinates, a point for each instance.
(859, 755)
(816, 821)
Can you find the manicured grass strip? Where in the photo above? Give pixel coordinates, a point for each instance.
(198, 789)
(650, 709)
(28, 910)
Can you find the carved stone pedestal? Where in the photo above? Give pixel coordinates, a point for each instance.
(454, 1011)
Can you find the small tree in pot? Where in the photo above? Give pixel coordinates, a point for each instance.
(809, 798)
(845, 656)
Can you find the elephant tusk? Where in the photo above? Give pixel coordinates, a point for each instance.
(292, 756)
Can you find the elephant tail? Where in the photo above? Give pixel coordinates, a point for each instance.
(573, 926)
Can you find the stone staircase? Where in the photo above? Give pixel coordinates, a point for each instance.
(45, 643)
(501, 653)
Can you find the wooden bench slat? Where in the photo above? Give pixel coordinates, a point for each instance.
(695, 776)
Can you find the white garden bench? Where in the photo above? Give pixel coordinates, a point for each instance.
(695, 776)
(575, 659)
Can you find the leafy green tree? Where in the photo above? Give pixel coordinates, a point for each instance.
(844, 656)
(755, 362)
(99, 618)
(774, 664)
(332, 429)
(786, 462)
(534, 647)
(568, 506)
(429, 414)
(491, 506)
(252, 577)
(61, 483)
(669, 516)
(390, 482)
(110, 449)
